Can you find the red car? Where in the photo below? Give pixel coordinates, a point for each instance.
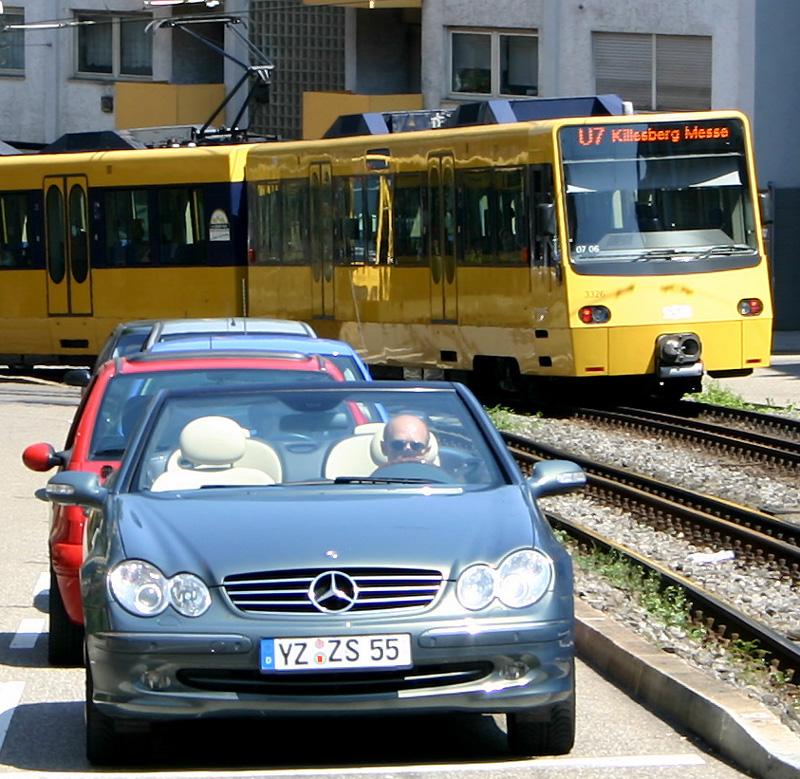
(109, 412)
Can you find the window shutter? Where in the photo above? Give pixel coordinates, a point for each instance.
(683, 72)
(623, 65)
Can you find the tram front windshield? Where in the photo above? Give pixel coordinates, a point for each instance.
(658, 192)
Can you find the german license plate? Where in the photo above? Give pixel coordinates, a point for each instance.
(332, 653)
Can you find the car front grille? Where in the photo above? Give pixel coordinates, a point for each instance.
(335, 683)
(288, 592)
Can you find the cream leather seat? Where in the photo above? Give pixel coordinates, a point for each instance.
(260, 455)
(351, 456)
(210, 451)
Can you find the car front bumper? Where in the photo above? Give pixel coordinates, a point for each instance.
(492, 667)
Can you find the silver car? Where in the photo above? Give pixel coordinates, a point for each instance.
(271, 551)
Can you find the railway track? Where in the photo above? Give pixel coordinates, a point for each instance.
(781, 426)
(755, 537)
(32, 391)
(746, 443)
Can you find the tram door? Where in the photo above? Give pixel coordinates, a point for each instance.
(69, 282)
(321, 239)
(441, 229)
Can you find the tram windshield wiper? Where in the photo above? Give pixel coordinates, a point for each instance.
(726, 249)
(659, 254)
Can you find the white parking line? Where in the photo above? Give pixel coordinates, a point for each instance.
(10, 696)
(610, 763)
(42, 584)
(27, 634)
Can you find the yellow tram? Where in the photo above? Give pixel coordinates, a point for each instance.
(618, 246)
(528, 238)
(89, 239)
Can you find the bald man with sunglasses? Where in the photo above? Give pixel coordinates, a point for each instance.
(406, 439)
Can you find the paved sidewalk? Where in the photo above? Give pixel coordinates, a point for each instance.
(778, 385)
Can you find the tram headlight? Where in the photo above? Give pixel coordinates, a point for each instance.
(594, 315)
(750, 307)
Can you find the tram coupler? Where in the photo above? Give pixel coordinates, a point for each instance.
(678, 356)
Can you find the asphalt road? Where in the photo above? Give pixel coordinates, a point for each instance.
(41, 708)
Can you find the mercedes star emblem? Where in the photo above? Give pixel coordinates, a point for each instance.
(333, 591)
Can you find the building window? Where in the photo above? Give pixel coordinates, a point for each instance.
(114, 46)
(654, 72)
(12, 42)
(494, 62)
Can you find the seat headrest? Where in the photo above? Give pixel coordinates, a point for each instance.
(214, 441)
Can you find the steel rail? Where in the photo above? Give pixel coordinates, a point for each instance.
(763, 419)
(728, 519)
(765, 447)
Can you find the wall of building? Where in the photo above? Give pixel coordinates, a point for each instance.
(147, 105)
(50, 99)
(387, 51)
(565, 38)
(321, 109)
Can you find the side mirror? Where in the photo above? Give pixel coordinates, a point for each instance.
(42, 457)
(546, 219)
(554, 477)
(76, 488)
(77, 377)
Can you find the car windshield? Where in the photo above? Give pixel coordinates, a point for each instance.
(127, 396)
(316, 438)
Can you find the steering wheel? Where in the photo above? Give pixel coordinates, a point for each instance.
(296, 437)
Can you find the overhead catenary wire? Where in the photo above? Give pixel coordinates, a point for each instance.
(123, 17)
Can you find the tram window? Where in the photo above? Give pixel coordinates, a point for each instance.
(409, 246)
(541, 195)
(78, 234)
(182, 226)
(476, 187)
(15, 249)
(295, 221)
(265, 238)
(512, 233)
(56, 254)
(357, 209)
(127, 217)
(495, 222)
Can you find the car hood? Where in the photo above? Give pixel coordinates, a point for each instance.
(217, 534)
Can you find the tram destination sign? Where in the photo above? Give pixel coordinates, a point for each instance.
(653, 138)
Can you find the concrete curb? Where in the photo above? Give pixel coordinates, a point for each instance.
(738, 728)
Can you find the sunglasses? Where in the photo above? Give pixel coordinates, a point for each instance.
(396, 445)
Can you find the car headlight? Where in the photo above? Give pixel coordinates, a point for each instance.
(189, 595)
(523, 577)
(519, 581)
(139, 587)
(143, 590)
(475, 588)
